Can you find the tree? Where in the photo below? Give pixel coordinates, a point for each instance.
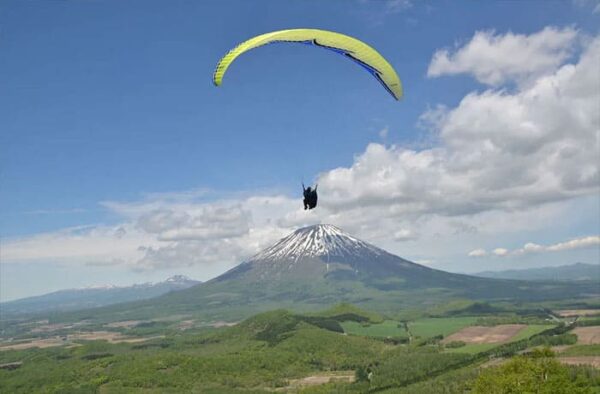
(538, 372)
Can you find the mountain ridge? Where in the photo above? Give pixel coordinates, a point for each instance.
(574, 272)
(95, 296)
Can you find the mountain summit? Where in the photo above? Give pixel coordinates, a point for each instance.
(321, 240)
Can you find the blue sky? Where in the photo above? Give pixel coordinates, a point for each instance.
(108, 115)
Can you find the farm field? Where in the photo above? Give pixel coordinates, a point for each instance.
(110, 337)
(588, 335)
(578, 312)
(388, 328)
(431, 327)
(481, 338)
(485, 334)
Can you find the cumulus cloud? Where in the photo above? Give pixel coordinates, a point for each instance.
(222, 232)
(208, 221)
(477, 253)
(497, 151)
(577, 243)
(530, 247)
(494, 59)
(500, 252)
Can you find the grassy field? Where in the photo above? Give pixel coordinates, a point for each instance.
(388, 328)
(530, 331)
(431, 327)
(582, 350)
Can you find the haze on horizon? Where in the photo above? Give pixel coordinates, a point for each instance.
(121, 163)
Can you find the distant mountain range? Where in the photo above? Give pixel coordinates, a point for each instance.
(321, 265)
(572, 272)
(95, 296)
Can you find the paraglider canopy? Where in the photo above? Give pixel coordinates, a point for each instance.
(347, 46)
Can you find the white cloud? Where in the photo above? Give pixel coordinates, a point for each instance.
(207, 221)
(404, 234)
(80, 245)
(578, 243)
(222, 232)
(497, 151)
(494, 59)
(500, 252)
(530, 247)
(575, 244)
(477, 253)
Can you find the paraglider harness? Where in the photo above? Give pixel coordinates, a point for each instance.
(310, 197)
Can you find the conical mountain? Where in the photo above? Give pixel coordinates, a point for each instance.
(325, 252)
(321, 265)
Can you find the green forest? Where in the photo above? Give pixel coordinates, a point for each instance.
(274, 351)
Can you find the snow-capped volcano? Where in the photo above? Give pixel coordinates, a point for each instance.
(322, 240)
(318, 252)
(322, 265)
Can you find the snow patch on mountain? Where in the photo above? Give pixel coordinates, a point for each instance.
(322, 240)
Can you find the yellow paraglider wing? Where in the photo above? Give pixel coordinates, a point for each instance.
(349, 47)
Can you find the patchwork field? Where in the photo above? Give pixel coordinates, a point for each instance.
(39, 343)
(111, 337)
(578, 312)
(588, 335)
(483, 334)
